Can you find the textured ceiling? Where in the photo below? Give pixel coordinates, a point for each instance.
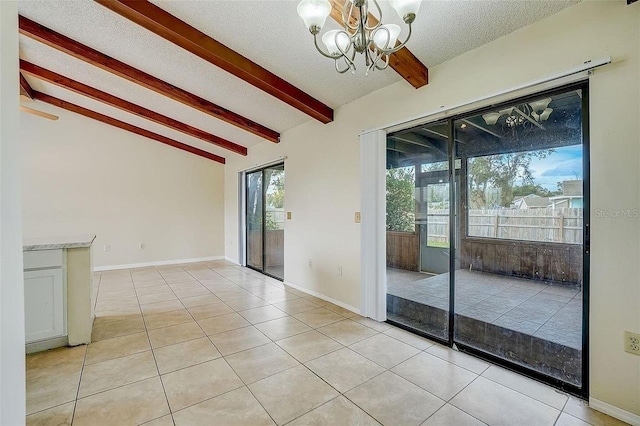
(269, 33)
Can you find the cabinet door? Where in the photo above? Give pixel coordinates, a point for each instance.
(44, 298)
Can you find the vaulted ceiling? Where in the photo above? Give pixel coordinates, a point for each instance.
(147, 67)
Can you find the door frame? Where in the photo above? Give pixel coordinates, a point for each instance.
(244, 214)
(582, 391)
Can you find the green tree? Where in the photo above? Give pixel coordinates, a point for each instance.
(529, 188)
(270, 223)
(501, 172)
(275, 194)
(400, 202)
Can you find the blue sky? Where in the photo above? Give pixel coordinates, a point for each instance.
(564, 164)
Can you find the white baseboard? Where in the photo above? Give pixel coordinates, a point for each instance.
(323, 297)
(156, 263)
(232, 260)
(614, 411)
(44, 345)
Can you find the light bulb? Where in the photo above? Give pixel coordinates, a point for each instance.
(334, 38)
(407, 9)
(540, 105)
(545, 114)
(385, 36)
(314, 13)
(491, 118)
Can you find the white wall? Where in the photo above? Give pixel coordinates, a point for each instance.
(12, 368)
(322, 170)
(83, 177)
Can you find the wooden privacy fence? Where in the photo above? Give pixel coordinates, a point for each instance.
(403, 250)
(274, 246)
(544, 225)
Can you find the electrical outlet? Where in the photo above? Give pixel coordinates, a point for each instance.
(288, 215)
(358, 217)
(310, 264)
(141, 246)
(107, 247)
(632, 343)
(339, 271)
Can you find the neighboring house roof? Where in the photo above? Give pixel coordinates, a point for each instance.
(537, 202)
(530, 201)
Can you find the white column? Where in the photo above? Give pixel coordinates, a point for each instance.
(372, 232)
(12, 350)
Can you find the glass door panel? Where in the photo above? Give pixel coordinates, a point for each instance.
(254, 220)
(274, 221)
(519, 282)
(418, 240)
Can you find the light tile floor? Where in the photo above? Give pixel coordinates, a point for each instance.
(213, 343)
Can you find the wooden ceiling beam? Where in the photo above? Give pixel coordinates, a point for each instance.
(167, 26)
(403, 61)
(78, 50)
(25, 87)
(98, 95)
(124, 126)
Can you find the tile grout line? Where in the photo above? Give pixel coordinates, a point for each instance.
(524, 394)
(84, 359)
(299, 362)
(153, 352)
(234, 371)
(83, 366)
(458, 393)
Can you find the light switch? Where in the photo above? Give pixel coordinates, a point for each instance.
(288, 215)
(358, 217)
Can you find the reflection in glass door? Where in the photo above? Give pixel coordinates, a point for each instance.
(497, 261)
(265, 220)
(254, 220)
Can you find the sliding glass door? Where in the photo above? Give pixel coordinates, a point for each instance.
(520, 283)
(500, 234)
(418, 240)
(265, 220)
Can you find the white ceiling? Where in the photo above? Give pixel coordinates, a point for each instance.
(269, 33)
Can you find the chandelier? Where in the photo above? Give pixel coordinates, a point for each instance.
(363, 32)
(514, 116)
(520, 119)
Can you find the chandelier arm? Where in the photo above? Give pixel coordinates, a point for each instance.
(315, 41)
(349, 62)
(386, 62)
(375, 2)
(374, 64)
(346, 21)
(347, 68)
(343, 52)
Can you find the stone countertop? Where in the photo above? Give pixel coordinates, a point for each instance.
(55, 243)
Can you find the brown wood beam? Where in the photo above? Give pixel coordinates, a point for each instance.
(167, 26)
(403, 61)
(25, 87)
(124, 126)
(98, 95)
(78, 50)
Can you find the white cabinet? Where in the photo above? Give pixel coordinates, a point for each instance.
(44, 295)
